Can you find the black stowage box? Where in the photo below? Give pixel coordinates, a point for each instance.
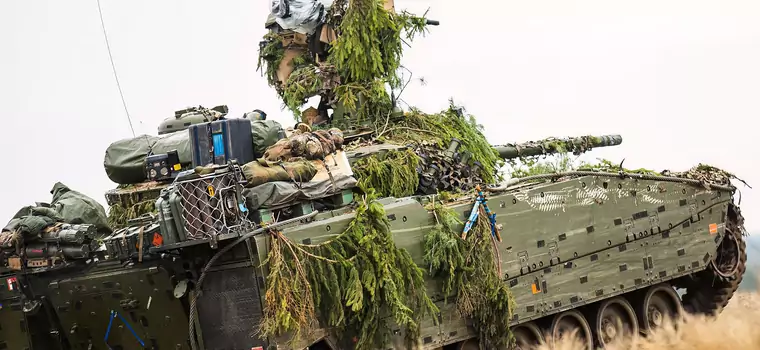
(221, 141)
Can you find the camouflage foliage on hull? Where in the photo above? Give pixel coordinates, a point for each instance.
(349, 284)
(707, 174)
(469, 269)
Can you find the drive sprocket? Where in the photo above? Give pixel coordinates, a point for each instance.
(710, 290)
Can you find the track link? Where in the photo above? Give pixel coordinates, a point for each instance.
(710, 291)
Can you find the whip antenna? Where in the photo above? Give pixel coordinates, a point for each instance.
(113, 67)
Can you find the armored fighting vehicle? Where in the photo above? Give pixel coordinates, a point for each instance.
(602, 252)
(397, 233)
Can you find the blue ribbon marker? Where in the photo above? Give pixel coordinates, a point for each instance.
(110, 323)
(480, 200)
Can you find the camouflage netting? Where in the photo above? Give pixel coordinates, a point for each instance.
(119, 215)
(560, 162)
(128, 202)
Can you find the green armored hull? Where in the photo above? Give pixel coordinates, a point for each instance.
(367, 228)
(587, 242)
(575, 250)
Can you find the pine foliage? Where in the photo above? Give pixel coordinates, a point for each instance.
(364, 57)
(393, 173)
(354, 284)
(118, 215)
(271, 55)
(469, 269)
(439, 129)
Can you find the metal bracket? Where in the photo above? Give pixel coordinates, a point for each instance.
(553, 249)
(628, 227)
(523, 256)
(693, 210)
(654, 220)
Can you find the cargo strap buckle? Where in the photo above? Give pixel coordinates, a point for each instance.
(110, 323)
(480, 200)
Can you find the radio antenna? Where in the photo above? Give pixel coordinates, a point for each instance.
(113, 67)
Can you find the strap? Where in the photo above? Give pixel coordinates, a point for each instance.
(110, 324)
(480, 200)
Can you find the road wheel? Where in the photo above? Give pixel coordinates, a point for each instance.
(469, 344)
(527, 336)
(659, 304)
(571, 323)
(615, 320)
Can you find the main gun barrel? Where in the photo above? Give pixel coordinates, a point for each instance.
(575, 145)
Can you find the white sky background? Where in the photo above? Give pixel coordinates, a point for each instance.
(679, 80)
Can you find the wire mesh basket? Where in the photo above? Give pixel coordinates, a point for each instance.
(213, 205)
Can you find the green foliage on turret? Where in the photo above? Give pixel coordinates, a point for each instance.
(431, 133)
(348, 283)
(439, 129)
(391, 174)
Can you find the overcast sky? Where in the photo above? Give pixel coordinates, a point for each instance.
(679, 80)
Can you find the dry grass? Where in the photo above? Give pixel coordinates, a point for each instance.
(738, 327)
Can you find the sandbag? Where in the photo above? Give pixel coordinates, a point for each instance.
(260, 172)
(179, 141)
(125, 159)
(76, 208)
(265, 133)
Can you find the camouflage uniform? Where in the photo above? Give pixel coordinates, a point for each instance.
(305, 144)
(260, 172)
